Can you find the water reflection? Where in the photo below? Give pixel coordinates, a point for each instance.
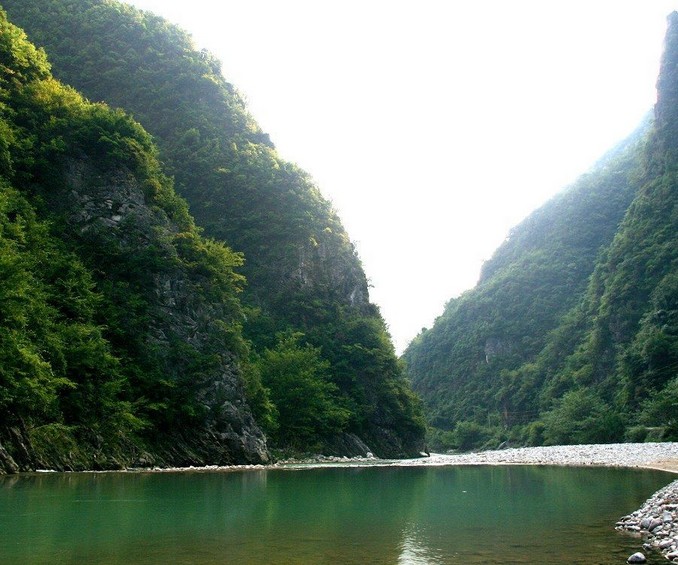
(416, 516)
(414, 550)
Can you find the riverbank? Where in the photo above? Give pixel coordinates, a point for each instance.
(662, 456)
(657, 522)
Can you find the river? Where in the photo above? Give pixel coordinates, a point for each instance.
(333, 515)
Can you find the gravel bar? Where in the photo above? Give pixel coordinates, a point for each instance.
(662, 456)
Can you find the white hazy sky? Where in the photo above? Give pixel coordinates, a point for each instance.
(434, 126)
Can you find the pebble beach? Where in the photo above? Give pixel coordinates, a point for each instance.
(662, 456)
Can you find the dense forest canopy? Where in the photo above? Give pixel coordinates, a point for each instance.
(166, 322)
(93, 238)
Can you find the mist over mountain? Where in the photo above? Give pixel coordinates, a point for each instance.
(570, 335)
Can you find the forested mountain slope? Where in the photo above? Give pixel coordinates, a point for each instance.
(571, 333)
(321, 368)
(119, 322)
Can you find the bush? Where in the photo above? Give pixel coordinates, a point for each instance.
(661, 410)
(534, 433)
(470, 435)
(439, 440)
(306, 402)
(636, 434)
(582, 417)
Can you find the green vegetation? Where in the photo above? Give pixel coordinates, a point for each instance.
(54, 361)
(142, 323)
(570, 335)
(488, 358)
(307, 402)
(131, 332)
(92, 362)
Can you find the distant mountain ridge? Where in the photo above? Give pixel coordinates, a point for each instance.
(570, 335)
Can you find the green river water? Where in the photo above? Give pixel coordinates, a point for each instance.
(336, 515)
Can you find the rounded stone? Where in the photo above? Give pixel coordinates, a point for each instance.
(637, 558)
(656, 522)
(665, 543)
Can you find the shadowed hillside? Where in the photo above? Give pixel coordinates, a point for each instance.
(249, 312)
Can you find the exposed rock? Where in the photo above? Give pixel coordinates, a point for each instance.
(645, 522)
(497, 347)
(108, 208)
(665, 544)
(666, 109)
(655, 520)
(637, 558)
(349, 445)
(295, 245)
(325, 262)
(111, 206)
(7, 464)
(385, 443)
(654, 524)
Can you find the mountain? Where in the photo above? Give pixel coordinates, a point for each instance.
(313, 355)
(114, 310)
(570, 335)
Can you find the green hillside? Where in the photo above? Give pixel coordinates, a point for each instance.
(570, 334)
(114, 310)
(305, 304)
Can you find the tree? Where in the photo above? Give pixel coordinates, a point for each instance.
(306, 401)
(581, 417)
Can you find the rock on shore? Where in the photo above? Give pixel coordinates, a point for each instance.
(657, 521)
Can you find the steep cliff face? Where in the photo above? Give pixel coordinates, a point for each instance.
(120, 326)
(322, 263)
(107, 208)
(666, 109)
(629, 355)
(239, 189)
(463, 366)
